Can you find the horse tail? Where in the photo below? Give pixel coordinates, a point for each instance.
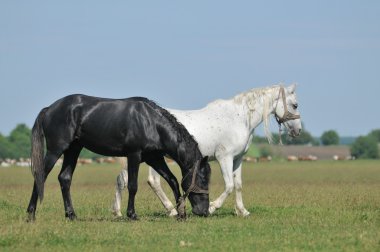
(37, 153)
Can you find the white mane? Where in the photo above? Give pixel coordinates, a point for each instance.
(256, 97)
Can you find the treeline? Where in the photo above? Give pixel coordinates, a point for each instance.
(17, 144)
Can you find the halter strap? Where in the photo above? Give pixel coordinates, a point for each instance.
(193, 187)
(181, 204)
(287, 116)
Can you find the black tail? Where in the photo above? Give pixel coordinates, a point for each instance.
(37, 154)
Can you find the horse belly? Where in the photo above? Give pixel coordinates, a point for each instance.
(103, 145)
(117, 140)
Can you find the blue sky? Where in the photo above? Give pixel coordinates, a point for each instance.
(184, 54)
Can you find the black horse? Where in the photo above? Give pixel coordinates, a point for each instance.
(134, 127)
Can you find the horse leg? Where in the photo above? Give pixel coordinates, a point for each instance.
(49, 161)
(65, 177)
(160, 166)
(133, 171)
(121, 184)
(31, 210)
(226, 165)
(155, 184)
(239, 208)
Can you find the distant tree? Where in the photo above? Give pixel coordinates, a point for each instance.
(19, 138)
(259, 139)
(6, 149)
(20, 130)
(330, 137)
(265, 151)
(365, 147)
(303, 139)
(375, 134)
(316, 141)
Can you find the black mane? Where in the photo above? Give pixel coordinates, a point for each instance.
(179, 127)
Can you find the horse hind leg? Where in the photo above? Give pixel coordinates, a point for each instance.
(65, 176)
(155, 184)
(49, 162)
(239, 207)
(121, 184)
(31, 210)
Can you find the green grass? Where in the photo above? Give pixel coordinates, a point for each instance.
(321, 206)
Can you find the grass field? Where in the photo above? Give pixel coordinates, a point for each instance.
(321, 206)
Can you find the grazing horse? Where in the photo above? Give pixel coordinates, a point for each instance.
(224, 131)
(134, 127)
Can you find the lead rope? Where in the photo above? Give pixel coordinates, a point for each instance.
(278, 119)
(287, 115)
(280, 134)
(181, 205)
(181, 208)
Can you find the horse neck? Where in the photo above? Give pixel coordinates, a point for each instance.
(186, 153)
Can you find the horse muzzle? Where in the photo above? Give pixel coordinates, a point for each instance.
(202, 213)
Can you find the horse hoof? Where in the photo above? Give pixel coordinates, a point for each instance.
(243, 213)
(173, 213)
(132, 216)
(117, 213)
(212, 208)
(31, 217)
(181, 217)
(246, 214)
(71, 216)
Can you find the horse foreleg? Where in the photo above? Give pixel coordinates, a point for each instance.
(133, 171)
(160, 166)
(121, 184)
(239, 207)
(226, 165)
(155, 184)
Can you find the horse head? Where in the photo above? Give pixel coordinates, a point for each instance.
(195, 185)
(286, 110)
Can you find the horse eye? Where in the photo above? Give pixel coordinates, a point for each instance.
(295, 106)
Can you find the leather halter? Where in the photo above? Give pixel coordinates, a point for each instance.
(181, 204)
(193, 187)
(287, 116)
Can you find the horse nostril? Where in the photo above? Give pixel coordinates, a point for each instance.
(299, 131)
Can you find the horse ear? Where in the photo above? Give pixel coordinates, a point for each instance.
(292, 88)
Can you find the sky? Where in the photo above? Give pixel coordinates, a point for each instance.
(185, 54)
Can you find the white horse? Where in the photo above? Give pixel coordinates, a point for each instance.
(224, 131)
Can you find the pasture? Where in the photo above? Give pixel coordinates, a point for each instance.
(325, 206)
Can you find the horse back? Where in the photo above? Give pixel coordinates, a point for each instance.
(105, 126)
